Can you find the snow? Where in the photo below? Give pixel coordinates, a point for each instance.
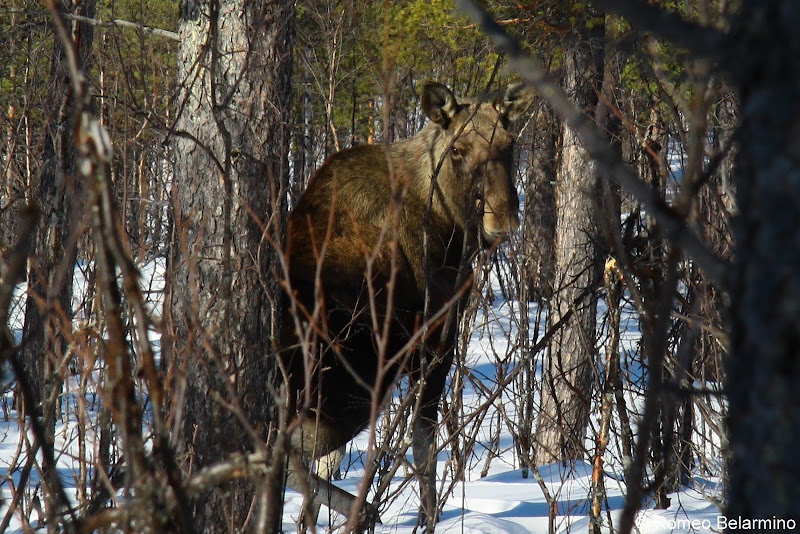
(502, 501)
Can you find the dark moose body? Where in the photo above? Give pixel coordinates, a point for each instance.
(378, 255)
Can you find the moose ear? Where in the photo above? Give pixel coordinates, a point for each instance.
(515, 101)
(438, 103)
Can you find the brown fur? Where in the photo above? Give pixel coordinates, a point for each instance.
(356, 251)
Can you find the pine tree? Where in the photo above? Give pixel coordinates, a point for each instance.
(228, 210)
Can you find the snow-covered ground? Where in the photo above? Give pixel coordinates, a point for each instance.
(501, 501)
(506, 501)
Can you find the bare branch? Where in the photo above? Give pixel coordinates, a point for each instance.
(254, 466)
(124, 24)
(12, 272)
(674, 227)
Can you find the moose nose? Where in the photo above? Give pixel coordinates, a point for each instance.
(509, 228)
(505, 228)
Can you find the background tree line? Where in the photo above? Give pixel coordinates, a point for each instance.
(217, 122)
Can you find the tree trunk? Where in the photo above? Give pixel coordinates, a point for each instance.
(764, 363)
(228, 209)
(566, 388)
(58, 193)
(540, 206)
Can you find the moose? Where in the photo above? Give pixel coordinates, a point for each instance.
(378, 257)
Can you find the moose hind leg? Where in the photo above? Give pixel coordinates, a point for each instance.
(328, 467)
(316, 491)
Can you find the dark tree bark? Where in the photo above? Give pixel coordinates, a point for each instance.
(540, 205)
(764, 363)
(228, 205)
(58, 194)
(566, 388)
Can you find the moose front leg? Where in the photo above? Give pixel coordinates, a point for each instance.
(425, 463)
(424, 445)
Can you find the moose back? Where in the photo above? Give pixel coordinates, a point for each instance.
(378, 254)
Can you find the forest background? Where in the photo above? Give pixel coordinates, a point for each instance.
(136, 132)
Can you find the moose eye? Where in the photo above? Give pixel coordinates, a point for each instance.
(454, 152)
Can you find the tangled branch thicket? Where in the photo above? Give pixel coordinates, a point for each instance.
(91, 408)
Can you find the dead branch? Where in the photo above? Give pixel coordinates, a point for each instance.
(119, 23)
(253, 466)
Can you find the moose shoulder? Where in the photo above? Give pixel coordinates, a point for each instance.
(378, 246)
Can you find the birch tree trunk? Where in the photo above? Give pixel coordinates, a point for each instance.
(228, 209)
